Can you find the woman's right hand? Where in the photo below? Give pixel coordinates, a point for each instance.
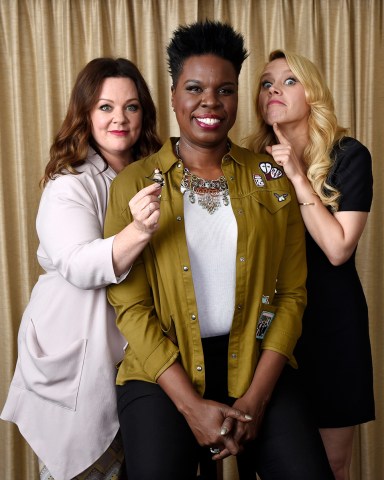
(130, 242)
(145, 208)
(206, 417)
(285, 156)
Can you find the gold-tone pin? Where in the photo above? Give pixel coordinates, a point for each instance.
(157, 177)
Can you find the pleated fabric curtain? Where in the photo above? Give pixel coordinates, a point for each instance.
(43, 45)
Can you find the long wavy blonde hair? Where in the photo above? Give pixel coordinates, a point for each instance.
(324, 130)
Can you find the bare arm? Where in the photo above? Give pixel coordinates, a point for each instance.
(336, 234)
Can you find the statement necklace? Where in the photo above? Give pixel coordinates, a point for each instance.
(209, 192)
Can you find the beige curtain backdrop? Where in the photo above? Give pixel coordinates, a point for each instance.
(44, 43)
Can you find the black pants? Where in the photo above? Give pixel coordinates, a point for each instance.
(159, 444)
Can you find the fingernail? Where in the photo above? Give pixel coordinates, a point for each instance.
(224, 431)
(248, 417)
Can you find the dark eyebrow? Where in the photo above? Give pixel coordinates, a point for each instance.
(111, 101)
(191, 80)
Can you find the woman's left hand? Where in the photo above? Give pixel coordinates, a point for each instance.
(255, 400)
(241, 432)
(206, 419)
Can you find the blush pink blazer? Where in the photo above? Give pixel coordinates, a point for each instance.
(62, 396)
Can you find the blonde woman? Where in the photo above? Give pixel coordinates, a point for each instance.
(332, 177)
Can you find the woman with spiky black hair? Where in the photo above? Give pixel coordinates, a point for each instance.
(212, 308)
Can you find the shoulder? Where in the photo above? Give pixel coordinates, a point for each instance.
(348, 150)
(91, 179)
(349, 143)
(135, 175)
(352, 175)
(350, 159)
(249, 158)
(94, 167)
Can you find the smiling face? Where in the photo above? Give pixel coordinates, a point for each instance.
(116, 120)
(282, 96)
(205, 100)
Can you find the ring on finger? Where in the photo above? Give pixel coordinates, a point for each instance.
(214, 451)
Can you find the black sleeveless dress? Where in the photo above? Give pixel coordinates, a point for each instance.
(334, 353)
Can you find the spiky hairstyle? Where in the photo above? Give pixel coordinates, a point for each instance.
(204, 38)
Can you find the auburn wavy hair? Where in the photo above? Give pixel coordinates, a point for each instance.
(324, 130)
(70, 146)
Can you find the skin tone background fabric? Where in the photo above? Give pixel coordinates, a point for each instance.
(43, 45)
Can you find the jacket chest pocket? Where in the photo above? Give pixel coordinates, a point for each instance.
(273, 200)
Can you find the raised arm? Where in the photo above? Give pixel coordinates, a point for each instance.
(129, 242)
(70, 229)
(336, 234)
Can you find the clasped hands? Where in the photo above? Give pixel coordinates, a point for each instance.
(219, 426)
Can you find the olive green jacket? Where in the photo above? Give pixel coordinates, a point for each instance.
(156, 306)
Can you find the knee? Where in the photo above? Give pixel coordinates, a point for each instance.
(340, 468)
(338, 444)
(339, 462)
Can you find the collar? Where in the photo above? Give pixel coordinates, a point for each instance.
(99, 163)
(168, 158)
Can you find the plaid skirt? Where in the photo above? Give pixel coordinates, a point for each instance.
(110, 466)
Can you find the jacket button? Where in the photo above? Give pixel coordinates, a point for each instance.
(234, 355)
(242, 259)
(185, 269)
(178, 219)
(193, 317)
(199, 368)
